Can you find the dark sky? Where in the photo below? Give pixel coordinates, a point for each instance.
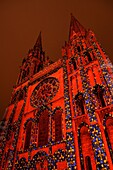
(22, 20)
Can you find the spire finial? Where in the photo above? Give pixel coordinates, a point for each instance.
(38, 43)
(75, 27)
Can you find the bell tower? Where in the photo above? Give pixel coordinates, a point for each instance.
(91, 96)
(34, 61)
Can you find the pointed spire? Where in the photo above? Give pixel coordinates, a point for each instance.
(38, 44)
(75, 27)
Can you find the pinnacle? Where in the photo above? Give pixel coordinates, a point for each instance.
(75, 27)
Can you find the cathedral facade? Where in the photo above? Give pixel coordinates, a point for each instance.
(60, 116)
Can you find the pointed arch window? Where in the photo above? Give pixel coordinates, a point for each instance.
(85, 145)
(43, 128)
(79, 99)
(28, 135)
(88, 56)
(99, 92)
(78, 48)
(40, 67)
(74, 63)
(58, 125)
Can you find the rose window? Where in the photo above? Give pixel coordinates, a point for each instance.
(44, 92)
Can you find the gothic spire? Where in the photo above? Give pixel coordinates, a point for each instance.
(38, 44)
(75, 27)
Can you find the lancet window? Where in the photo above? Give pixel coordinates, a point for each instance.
(88, 56)
(28, 135)
(43, 128)
(99, 92)
(74, 63)
(87, 159)
(78, 48)
(57, 123)
(79, 100)
(38, 66)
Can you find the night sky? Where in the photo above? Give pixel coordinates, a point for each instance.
(22, 20)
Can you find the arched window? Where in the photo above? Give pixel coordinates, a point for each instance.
(79, 99)
(58, 125)
(85, 145)
(39, 67)
(88, 56)
(74, 63)
(43, 128)
(99, 92)
(78, 48)
(88, 163)
(28, 135)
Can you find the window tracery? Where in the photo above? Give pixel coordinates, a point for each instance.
(44, 92)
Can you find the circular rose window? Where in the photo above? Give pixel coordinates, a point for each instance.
(44, 92)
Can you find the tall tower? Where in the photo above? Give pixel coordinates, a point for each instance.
(61, 114)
